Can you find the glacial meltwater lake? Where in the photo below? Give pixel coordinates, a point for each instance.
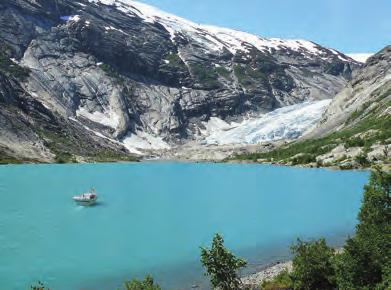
(153, 217)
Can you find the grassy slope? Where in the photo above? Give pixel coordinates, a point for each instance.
(6, 159)
(68, 144)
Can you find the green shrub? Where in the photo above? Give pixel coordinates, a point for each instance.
(10, 68)
(358, 113)
(346, 167)
(267, 66)
(362, 160)
(310, 148)
(39, 286)
(7, 159)
(247, 76)
(147, 284)
(312, 266)
(221, 265)
(113, 73)
(64, 157)
(384, 95)
(66, 146)
(175, 60)
(354, 142)
(303, 159)
(282, 81)
(335, 67)
(205, 75)
(366, 260)
(282, 281)
(240, 74)
(256, 74)
(222, 71)
(268, 69)
(111, 156)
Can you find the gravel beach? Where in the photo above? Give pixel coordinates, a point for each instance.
(254, 280)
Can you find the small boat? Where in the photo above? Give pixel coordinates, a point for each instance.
(86, 199)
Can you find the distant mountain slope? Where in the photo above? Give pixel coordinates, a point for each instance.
(137, 77)
(367, 95)
(355, 130)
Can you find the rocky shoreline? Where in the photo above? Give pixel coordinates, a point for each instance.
(254, 280)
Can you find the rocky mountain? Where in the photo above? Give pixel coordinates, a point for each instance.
(29, 131)
(367, 95)
(355, 130)
(117, 75)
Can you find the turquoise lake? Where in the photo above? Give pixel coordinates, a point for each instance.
(153, 217)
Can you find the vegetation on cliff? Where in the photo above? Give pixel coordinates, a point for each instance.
(370, 131)
(9, 67)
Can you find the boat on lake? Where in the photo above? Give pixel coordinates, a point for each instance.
(86, 199)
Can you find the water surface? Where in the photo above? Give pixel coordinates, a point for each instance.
(153, 217)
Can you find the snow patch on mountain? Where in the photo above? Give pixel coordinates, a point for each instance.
(100, 135)
(108, 118)
(74, 18)
(212, 37)
(360, 57)
(289, 122)
(144, 141)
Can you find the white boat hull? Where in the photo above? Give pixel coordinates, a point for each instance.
(86, 202)
(86, 199)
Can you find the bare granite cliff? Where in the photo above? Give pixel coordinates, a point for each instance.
(368, 95)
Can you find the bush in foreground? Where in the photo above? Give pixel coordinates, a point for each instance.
(312, 265)
(365, 263)
(282, 281)
(146, 284)
(366, 260)
(39, 286)
(221, 265)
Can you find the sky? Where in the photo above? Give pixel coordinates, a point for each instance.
(350, 26)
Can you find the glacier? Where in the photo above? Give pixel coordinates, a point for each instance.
(286, 123)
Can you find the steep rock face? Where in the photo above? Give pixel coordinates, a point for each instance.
(29, 131)
(14, 127)
(367, 95)
(121, 68)
(354, 131)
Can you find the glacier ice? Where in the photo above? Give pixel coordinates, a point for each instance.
(286, 123)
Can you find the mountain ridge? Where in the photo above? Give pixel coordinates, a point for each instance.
(132, 78)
